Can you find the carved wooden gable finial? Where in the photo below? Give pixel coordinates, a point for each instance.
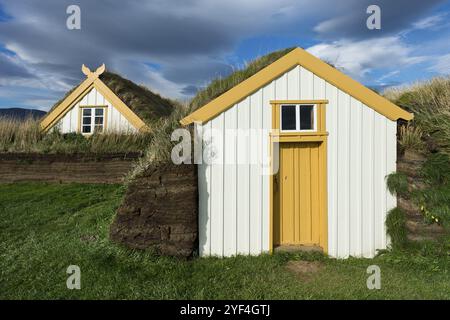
(96, 73)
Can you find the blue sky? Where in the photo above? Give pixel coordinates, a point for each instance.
(177, 46)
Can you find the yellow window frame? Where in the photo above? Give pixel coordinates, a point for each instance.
(80, 117)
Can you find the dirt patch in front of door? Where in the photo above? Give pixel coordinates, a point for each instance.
(305, 270)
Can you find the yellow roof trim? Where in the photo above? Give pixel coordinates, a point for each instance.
(300, 57)
(51, 118)
(92, 81)
(120, 105)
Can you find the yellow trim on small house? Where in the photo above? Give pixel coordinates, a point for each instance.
(56, 114)
(300, 57)
(92, 81)
(319, 101)
(120, 105)
(319, 135)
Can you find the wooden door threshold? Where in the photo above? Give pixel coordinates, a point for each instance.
(298, 248)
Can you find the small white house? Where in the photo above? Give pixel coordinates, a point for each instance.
(336, 142)
(98, 104)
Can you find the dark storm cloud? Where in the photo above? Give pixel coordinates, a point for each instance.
(11, 70)
(109, 30)
(189, 90)
(156, 31)
(70, 76)
(189, 40)
(202, 68)
(350, 18)
(129, 27)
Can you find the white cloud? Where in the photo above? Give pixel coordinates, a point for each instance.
(190, 40)
(39, 103)
(26, 96)
(429, 22)
(441, 65)
(381, 80)
(331, 25)
(358, 58)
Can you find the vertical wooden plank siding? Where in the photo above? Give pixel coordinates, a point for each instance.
(217, 180)
(114, 121)
(204, 189)
(255, 218)
(268, 95)
(243, 179)
(367, 176)
(379, 179)
(293, 83)
(319, 88)
(306, 84)
(361, 151)
(73, 115)
(230, 180)
(319, 93)
(343, 174)
(355, 177)
(332, 121)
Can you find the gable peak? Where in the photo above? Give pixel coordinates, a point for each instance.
(94, 74)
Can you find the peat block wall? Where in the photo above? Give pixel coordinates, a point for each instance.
(83, 168)
(417, 230)
(160, 211)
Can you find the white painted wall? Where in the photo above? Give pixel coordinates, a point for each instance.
(115, 121)
(234, 198)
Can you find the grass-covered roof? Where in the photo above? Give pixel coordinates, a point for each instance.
(221, 85)
(149, 106)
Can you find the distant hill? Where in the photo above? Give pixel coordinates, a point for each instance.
(19, 113)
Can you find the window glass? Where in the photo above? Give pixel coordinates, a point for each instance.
(288, 118)
(86, 124)
(297, 117)
(306, 117)
(92, 120)
(98, 120)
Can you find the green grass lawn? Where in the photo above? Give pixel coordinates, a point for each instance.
(44, 228)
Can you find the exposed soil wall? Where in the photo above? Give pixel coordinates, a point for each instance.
(160, 211)
(417, 230)
(83, 168)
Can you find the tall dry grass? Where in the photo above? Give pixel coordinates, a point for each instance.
(221, 85)
(19, 135)
(411, 138)
(430, 103)
(26, 136)
(160, 147)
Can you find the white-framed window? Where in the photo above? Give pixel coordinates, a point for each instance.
(298, 117)
(92, 119)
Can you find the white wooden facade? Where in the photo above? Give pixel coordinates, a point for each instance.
(234, 199)
(115, 121)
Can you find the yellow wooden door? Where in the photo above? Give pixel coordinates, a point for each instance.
(297, 220)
